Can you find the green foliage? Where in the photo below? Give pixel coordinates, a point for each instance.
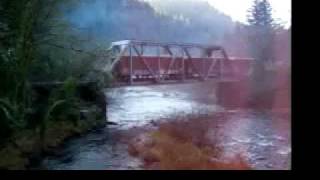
(12, 118)
(46, 118)
(51, 109)
(38, 45)
(69, 110)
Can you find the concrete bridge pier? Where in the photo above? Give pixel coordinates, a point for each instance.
(233, 94)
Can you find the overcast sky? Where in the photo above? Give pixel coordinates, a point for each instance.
(237, 9)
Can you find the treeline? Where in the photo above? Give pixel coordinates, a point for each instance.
(237, 43)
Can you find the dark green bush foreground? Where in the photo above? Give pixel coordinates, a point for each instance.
(49, 87)
(57, 112)
(25, 145)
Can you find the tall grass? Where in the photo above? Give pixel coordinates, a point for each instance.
(183, 145)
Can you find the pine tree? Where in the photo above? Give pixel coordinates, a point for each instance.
(261, 25)
(260, 14)
(261, 34)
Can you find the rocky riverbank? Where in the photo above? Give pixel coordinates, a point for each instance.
(24, 148)
(86, 111)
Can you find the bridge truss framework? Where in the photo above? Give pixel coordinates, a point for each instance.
(178, 64)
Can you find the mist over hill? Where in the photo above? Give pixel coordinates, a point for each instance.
(165, 20)
(189, 21)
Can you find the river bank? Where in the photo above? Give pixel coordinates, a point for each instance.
(185, 143)
(82, 109)
(238, 140)
(24, 149)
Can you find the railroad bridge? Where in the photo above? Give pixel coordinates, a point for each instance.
(141, 62)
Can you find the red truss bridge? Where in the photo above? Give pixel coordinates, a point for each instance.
(137, 62)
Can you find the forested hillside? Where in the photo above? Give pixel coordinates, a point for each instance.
(182, 21)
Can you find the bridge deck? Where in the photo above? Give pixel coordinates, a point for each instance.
(188, 81)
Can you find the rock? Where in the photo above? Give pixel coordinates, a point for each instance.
(111, 123)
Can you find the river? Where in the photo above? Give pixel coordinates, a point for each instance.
(265, 139)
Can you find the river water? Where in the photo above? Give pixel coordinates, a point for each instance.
(265, 139)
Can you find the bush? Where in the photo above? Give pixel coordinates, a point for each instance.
(182, 145)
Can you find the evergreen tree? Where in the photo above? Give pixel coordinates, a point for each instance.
(261, 34)
(260, 14)
(261, 26)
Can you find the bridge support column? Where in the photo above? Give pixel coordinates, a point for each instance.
(203, 67)
(183, 71)
(131, 64)
(159, 64)
(232, 94)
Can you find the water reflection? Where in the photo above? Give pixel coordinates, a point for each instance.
(137, 106)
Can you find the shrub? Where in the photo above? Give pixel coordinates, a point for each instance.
(183, 145)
